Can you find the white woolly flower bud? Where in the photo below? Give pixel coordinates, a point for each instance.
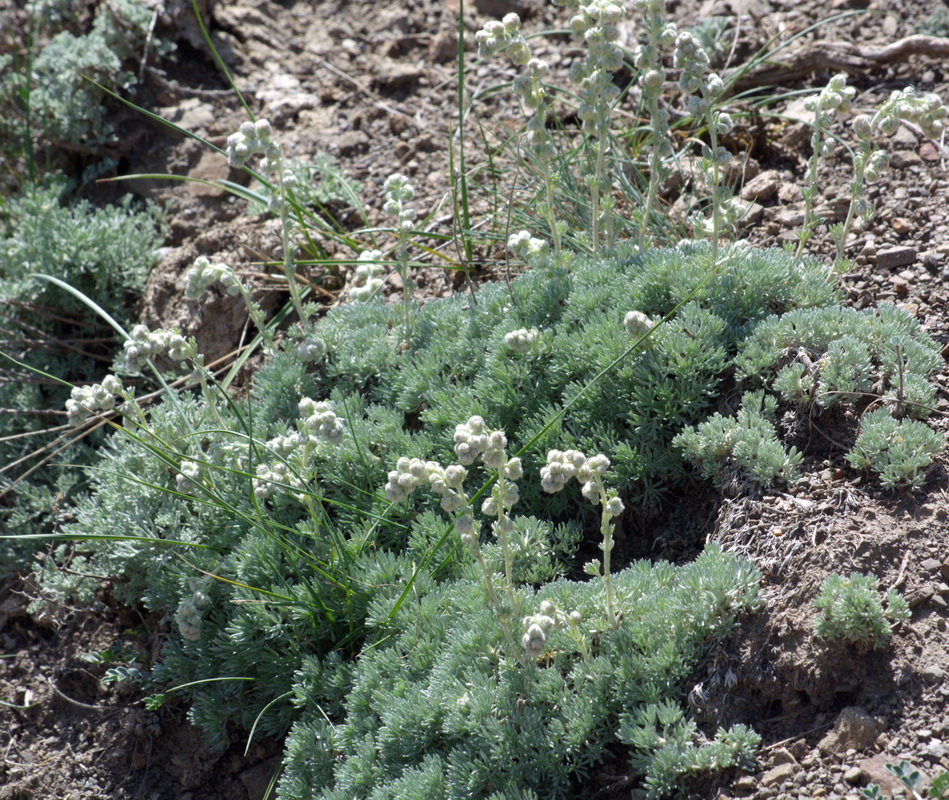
(513, 469)
(614, 506)
(455, 475)
(652, 80)
(637, 324)
(189, 476)
(525, 246)
(320, 419)
(84, 401)
(521, 340)
(311, 350)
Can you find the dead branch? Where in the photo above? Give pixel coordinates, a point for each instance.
(840, 57)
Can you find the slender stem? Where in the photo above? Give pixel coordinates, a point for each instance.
(811, 191)
(551, 215)
(289, 265)
(716, 183)
(655, 165)
(601, 142)
(606, 529)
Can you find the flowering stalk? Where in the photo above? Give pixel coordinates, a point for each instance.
(561, 467)
(927, 111)
(595, 26)
(836, 96)
(658, 33)
(398, 190)
(505, 36)
(472, 440)
(254, 138)
(705, 89)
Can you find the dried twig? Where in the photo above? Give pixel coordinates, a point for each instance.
(841, 57)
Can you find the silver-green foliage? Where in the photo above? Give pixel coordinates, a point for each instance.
(897, 450)
(329, 557)
(748, 442)
(433, 712)
(851, 609)
(103, 252)
(62, 102)
(323, 555)
(836, 356)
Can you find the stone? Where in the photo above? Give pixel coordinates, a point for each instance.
(752, 214)
(777, 775)
(930, 565)
(782, 756)
(874, 771)
(896, 257)
(853, 775)
(762, 187)
(854, 728)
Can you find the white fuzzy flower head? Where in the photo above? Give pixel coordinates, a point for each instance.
(84, 401)
(522, 340)
(320, 419)
(527, 247)
(253, 138)
(637, 324)
(200, 276)
(189, 476)
(471, 440)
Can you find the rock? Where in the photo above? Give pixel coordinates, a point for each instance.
(443, 47)
(902, 226)
(763, 187)
(778, 775)
(874, 771)
(256, 779)
(853, 775)
(896, 257)
(935, 750)
(790, 217)
(900, 286)
(782, 756)
(854, 728)
(752, 215)
(930, 565)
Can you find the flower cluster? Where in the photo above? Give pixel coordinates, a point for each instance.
(411, 473)
(84, 401)
(522, 340)
(311, 350)
(200, 276)
(527, 247)
(472, 439)
(398, 190)
(504, 36)
(529, 87)
(189, 476)
(834, 97)
(562, 466)
(319, 418)
(252, 138)
(637, 324)
(269, 475)
(539, 625)
(595, 26)
(368, 278)
(188, 616)
(144, 344)
(318, 423)
(925, 110)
